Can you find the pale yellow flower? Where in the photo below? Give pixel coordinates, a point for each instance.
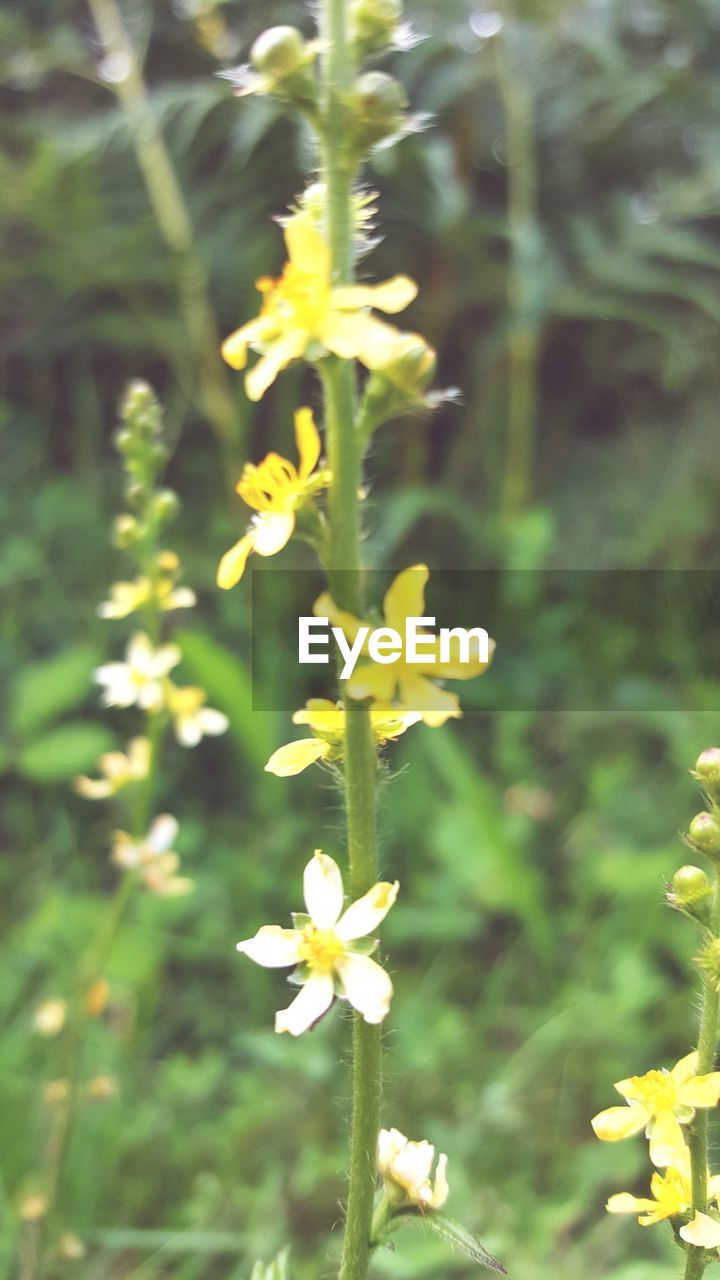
(410, 686)
(327, 948)
(660, 1103)
(153, 857)
(139, 679)
(408, 1166)
(33, 1208)
(327, 721)
(276, 489)
(671, 1193)
(304, 314)
(126, 597)
(50, 1017)
(703, 1231)
(118, 770)
(70, 1247)
(192, 720)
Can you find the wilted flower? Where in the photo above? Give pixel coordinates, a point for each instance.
(659, 1102)
(192, 720)
(139, 679)
(276, 489)
(153, 858)
(325, 945)
(407, 1166)
(118, 769)
(50, 1017)
(304, 314)
(327, 721)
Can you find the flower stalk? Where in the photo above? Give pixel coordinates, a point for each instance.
(698, 1258)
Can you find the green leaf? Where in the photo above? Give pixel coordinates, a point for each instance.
(44, 690)
(227, 684)
(455, 1234)
(61, 753)
(277, 1270)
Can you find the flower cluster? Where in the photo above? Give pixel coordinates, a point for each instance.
(670, 1105)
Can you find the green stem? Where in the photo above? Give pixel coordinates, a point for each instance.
(697, 1258)
(173, 220)
(345, 578)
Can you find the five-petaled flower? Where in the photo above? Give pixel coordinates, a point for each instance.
(408, 685)
(671, 1194)
(139, 680)
(276, 489)
(192, 720)
(407, 1166)
(327, 721)
(660, 1102)
(160, 590)
(153, 857)
(327, 948)
(304, 314)
(119, 769)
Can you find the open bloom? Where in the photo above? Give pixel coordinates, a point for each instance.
(139, 679)
(409, 685)
(118, 770)
(326, 947)
(327, 721)
(153, 857)
(671, 1194)
(660, 1102)
(408, 1166)
(304, 314)
(126, 597)
(192, 720)
(276, 489)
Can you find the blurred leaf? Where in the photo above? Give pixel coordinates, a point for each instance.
(61, 753)
(228, 686)
(456, 1235)
(277, 1270)
(44, 690)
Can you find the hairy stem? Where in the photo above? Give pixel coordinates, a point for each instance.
(172, 217)
(697, 1258)
(345, 576)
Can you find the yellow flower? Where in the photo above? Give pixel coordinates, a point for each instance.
(127, 597)
(304, 314)
(326, 945)
(276, 489)
(671, 1194)
(659, 1102)
(408, 1166)
(192, 720)
(327, 721)
(118, 770)
(408, 685)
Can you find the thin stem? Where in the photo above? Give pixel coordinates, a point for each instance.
(698, 1134)
(172, 217)
(345, 577)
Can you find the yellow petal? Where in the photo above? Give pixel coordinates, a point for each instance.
(419, 694)
(391, 296)
(272, 531)
(296, 756)
(278, 356)
(686, 1067)
(234, 349)
(619, 1122)
(455, 668)
(625, 1203)
(232, 565)
(406, 597)
(357, 336)
(703, 1231)
(325, 607)
(308, 441)
(667, 1144)
(369, 680)
(700, 1091)
(307, 250)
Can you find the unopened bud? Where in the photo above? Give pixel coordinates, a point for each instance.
(413, 366)
(691, 892)
(96, 998)
(165, 505)
(378, 104)
(138, 398)
(707, 769)
(374, 23)
(278, 52)
(126, 530)
(704, 834)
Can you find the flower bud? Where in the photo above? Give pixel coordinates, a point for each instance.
(704, 834)
(690, 886)
(166, 505)
(413, 365)
(707, 769)
(278, 52)
(374, 23)
(138, 398)
(126, 530)
(378, 105)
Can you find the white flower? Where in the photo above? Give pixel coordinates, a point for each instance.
(324, 945)
(50, 1017)
(159, 590)
(703, 1231)
(192, 719)
(408, 1165)
(119, 769)
(138, 680)
(153, 857)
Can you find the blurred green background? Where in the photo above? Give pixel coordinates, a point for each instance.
(562, 215)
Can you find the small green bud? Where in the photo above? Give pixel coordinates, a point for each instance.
(278, 52)
(123, 440)
(707, 769)
(374, 23)
(704, 834)
(690, 886)
(165, 505)
(126, 531)
(138, 398)
(378, 105)
(413, 366)
(158, 454)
